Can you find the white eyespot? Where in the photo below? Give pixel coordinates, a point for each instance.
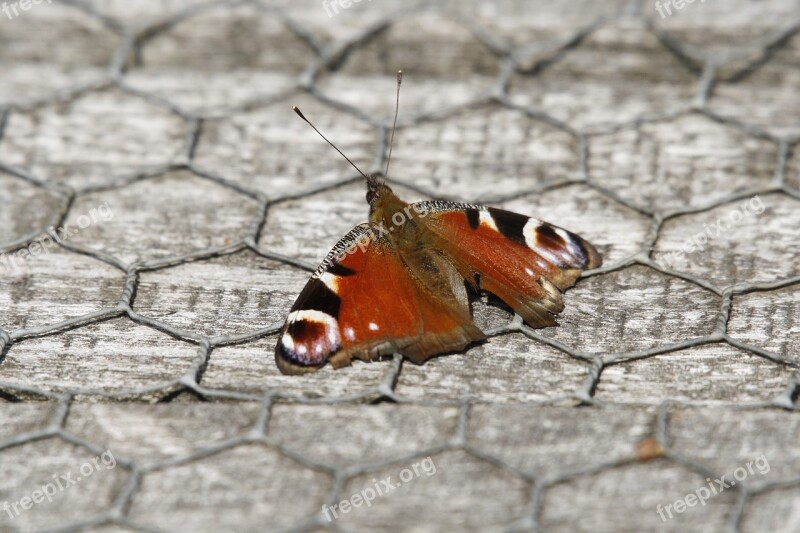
(531, 239)
(373, 326)
(288, 342)
(485, 218)
(563, 234)
(572, 246)
(330, 280)
(529, 232)
(312, 315)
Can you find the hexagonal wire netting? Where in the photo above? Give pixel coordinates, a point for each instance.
(592, 151)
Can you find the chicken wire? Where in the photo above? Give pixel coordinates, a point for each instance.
(515, 62)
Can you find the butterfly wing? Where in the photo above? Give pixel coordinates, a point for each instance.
(365, 302)
(524, 261)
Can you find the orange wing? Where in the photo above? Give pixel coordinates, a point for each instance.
(364, 302)
(524, 261)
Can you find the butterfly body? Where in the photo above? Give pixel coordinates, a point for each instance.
(399, 283)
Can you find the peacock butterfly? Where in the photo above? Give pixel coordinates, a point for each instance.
(398, 284)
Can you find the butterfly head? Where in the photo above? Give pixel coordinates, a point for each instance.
(376, 187)
(378, 193)
(383, 203)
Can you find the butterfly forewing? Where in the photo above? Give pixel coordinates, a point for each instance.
(524, 261)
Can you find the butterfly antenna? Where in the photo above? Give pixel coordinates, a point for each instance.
(394, 124)
(300, 114)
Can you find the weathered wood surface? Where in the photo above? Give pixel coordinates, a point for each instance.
(156, 138)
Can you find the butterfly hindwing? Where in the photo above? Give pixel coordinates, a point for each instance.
(524, 261)
(365, 302)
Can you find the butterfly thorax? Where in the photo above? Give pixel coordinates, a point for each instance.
(403, 226)
(398, 220)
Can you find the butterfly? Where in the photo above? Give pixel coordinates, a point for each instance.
(399, 283)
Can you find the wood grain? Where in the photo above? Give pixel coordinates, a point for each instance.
(151, 332)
